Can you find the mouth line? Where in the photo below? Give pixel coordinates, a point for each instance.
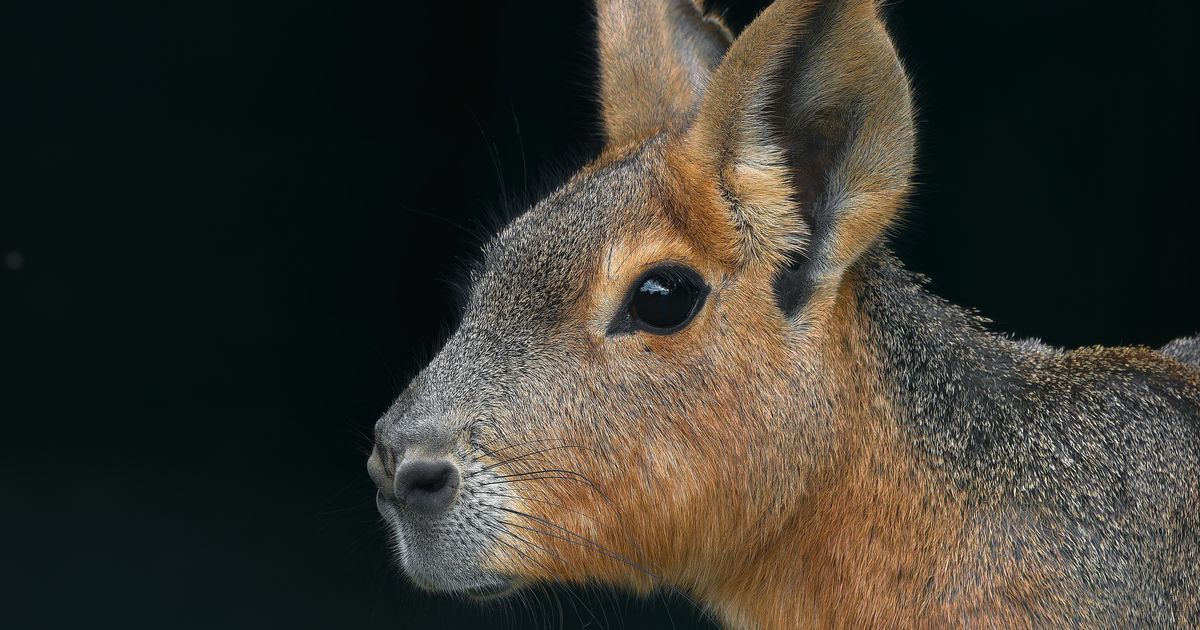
(493, 590)
(490, 586)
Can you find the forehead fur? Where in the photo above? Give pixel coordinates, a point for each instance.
(545, 258)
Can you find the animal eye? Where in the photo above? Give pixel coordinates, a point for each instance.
(665, 299)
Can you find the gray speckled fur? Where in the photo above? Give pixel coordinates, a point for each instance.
(1083, 462)
(509, 339)
(1094, 460)
(1186, 349)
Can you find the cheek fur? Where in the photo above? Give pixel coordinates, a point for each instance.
(634, 477)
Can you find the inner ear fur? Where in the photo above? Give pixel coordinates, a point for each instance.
(656, 57)
(806, 128)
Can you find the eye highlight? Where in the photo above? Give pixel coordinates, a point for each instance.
(661, 301)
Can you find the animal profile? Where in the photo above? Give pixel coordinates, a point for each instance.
(697, 366)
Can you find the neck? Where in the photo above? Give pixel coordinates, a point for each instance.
(883, 536)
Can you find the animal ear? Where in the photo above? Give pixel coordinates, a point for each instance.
(656, 57)
(806, 128)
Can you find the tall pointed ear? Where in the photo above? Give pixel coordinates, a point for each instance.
(806, 128)
(656, 57)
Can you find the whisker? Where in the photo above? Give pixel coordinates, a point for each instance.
(543, 471)
(548, 568)
(521, 457)
(546, 528)
(542, 478)
(587, 544)
(492, 452)
(565, 474)
(607, 552)
(539, 500)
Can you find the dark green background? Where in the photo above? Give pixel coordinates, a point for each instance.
(226, 230)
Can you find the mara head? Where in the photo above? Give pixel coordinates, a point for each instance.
(643, 371)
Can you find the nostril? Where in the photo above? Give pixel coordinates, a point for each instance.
(381, 469)
(426, 485)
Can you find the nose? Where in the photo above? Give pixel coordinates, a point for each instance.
(426, 485)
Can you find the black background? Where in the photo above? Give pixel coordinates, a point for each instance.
(227, 228)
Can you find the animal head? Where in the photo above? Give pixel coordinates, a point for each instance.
(645, 368)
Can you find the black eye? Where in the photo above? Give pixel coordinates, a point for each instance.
(665, 299)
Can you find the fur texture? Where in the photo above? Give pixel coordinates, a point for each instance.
(825, 443)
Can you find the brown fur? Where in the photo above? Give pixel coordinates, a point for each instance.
(785, 467)
(848, 558)
(650, 71)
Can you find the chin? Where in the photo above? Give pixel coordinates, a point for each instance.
(478, 584)
(445, 556)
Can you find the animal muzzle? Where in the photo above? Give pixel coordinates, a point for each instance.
(417, 484)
